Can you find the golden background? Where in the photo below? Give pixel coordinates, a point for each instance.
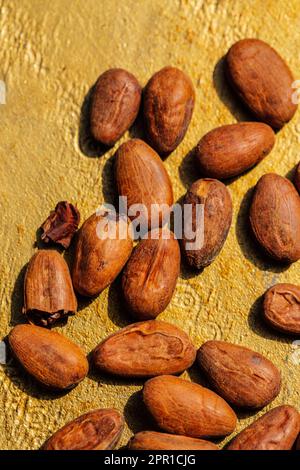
(51, 54)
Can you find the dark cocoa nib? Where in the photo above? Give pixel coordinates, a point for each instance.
(36, 317)
(61, 224)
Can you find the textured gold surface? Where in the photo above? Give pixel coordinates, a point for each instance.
(51, 54)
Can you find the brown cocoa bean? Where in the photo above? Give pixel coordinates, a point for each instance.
(48, 289)
(186, 408)
(208, 233)
(115, 104)
(168, 107)
(262, 80)
(150, 440)
(275, 430)
(95, 430)
(276, 205)
(145, 349)
(281, 308)
(48, 356)
(230, 150)
(142, 178)
(149, 278)
(103, 246)
(241, 376)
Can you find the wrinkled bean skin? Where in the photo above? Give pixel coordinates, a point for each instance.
(262, 80)
(241, 376)
(145, 349)
(188, 409)
(215, 224)
(95, 430)
(275, 430)
(48, 291)
(150, 276)
(276, 204)
(169, 99)
(115, 104)
(281, 308)
(142, 178)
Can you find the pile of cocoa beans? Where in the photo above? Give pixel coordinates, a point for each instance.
(186, 414)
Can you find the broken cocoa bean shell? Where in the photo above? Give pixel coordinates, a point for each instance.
(48, 290)
(61, 225)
